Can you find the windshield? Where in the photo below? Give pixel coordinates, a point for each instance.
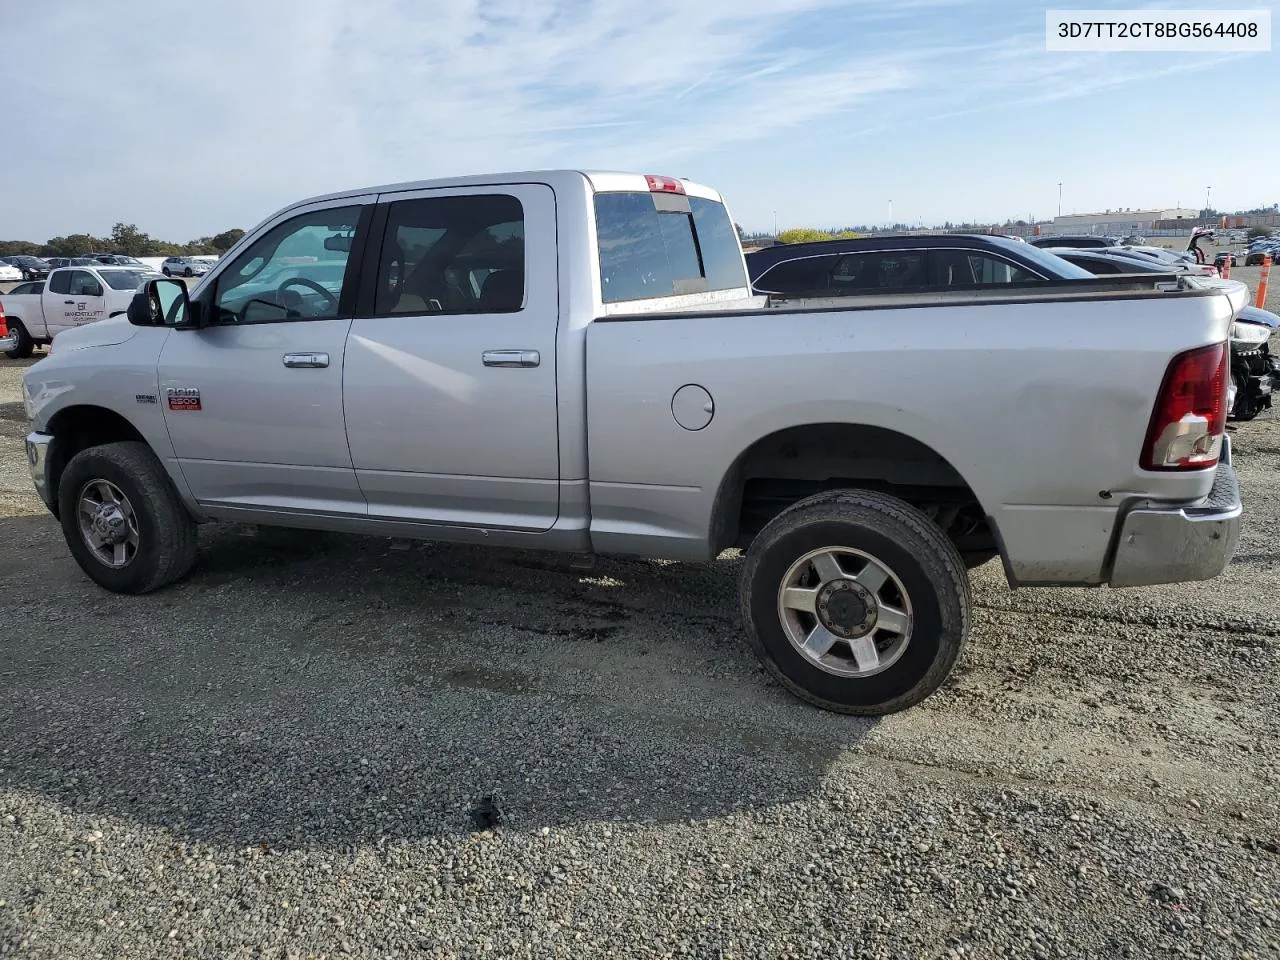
(124, 279)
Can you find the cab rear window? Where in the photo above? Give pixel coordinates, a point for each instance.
(659, 245)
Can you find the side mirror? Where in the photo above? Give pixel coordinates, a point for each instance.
(94, 291)
(161, 303)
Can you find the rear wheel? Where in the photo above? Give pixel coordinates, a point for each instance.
(123, 521)
(856, 601)
(25, 345)
(188, 272)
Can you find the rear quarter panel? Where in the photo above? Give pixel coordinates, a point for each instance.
(1040, 406)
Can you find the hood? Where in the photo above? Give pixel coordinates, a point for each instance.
(100, 333)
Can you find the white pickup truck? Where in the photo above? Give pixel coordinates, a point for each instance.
(69, 297)
(574, 362)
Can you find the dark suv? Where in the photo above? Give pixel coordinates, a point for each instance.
(1082, 241)
(33, 268)
(926, 262)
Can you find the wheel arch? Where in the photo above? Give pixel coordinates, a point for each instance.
(795, 461)
(80, 426)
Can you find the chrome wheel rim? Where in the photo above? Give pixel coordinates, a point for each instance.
(845, 611)
(108, 525)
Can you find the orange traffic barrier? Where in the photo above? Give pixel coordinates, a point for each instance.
(1226, 267)
(1262, 281)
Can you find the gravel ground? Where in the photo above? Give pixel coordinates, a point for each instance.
(289, 755)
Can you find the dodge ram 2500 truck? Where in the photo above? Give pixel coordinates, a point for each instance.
(574, 362)
(70, 297)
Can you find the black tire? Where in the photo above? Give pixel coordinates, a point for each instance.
(166, 272)
(1244, 409)
(188, 272)
(901, 538)
(25, 345)
(166, 531)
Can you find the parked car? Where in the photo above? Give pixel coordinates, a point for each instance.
(9, 272)
(1258, 252)
(1178, 259)
(1133, 240)
(1076, 241)
(1225, 257)
(575, 362)
(33, 268)
(1108, 262)
(918, 262)
(185, 266)
(1255, 370)
(70, 297)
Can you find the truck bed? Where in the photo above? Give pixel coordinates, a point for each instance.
(1063, 386)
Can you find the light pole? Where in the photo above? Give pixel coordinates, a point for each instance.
(775, 224)
(1207, 208)
(890, 214)
(1059, 198)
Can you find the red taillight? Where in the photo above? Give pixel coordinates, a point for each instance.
(663, 184)
(1190, 415)
(4, 326)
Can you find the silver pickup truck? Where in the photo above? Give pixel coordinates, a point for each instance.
(574, 361)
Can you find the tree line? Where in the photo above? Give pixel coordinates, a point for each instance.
(125, 239)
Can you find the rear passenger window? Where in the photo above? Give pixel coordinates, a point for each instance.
(60, 282)
(451, 255)
(879, 272)
(965, 268)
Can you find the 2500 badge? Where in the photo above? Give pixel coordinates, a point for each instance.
(183, 398)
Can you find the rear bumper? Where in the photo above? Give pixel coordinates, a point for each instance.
(1174, 543)
(7, 343)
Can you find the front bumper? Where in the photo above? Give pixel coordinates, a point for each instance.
(37, 445)
(1166, 543)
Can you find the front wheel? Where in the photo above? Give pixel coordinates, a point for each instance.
(188, 272)
(25, 345)
(123, 521)
(856, 601)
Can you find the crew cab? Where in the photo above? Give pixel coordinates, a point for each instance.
(70, 297)
(574, 361)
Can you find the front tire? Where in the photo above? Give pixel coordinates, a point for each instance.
(1244, 408)
(188, 272)
(25, 345)
(122, 519)
(166, 272)
(856, 602)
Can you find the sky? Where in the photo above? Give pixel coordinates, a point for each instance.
(188, 119)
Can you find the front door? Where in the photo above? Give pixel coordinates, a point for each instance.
(73, 298)
(253, 399)
(450, 379)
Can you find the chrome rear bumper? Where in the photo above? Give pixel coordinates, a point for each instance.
(1173, 543)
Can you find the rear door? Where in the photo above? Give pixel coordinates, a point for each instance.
(450, 379)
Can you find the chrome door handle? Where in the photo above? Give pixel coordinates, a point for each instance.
(306, 359)
(511, 358)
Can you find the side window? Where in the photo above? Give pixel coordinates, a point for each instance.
(85, 284)
(295, 271)
(878, 272)
(60, 281)
(966, 268)
(799, 276)
(450, 255)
